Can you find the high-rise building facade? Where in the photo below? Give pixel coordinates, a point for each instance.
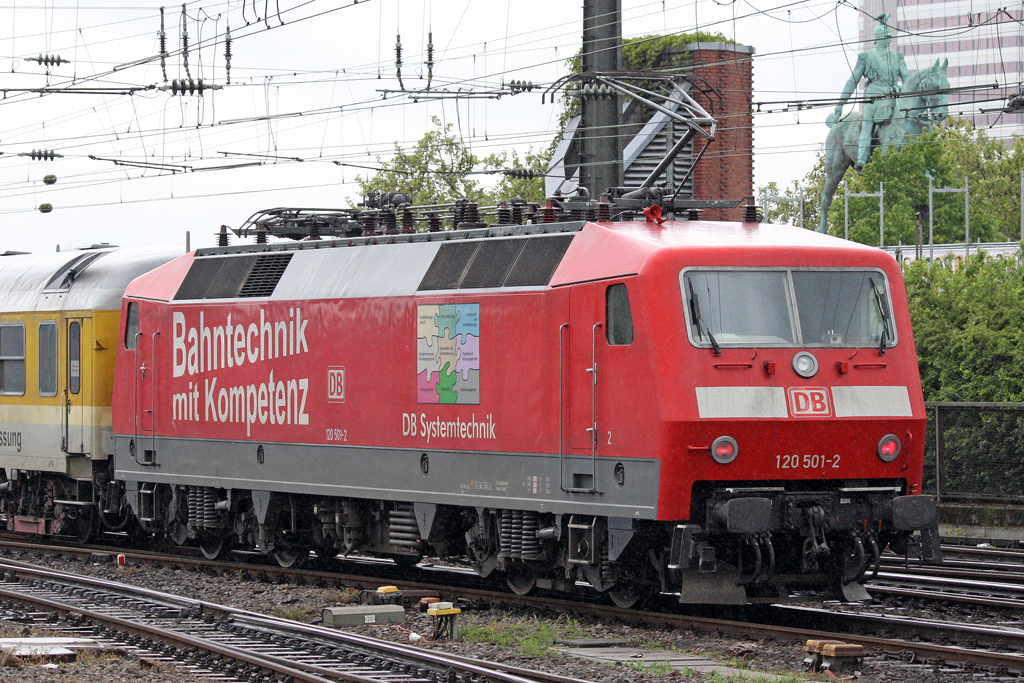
(983, 40)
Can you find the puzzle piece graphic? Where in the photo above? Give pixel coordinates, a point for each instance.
(468, 388)
(425, 323)
(426, 355)
(469, 320)
(447, 320)
(469, 355)
(445, 384)
(426, 387)
(446, 353)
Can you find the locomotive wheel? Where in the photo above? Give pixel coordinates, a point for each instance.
(84, 525)
(625, 596)
(290, 556)
(521, 583)
(214, 547)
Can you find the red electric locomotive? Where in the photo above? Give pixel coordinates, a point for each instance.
(728, 411)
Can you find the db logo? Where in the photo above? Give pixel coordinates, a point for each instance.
(336, 384)
(809, 402)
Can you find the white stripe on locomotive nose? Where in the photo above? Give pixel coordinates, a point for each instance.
(770, 402)
(741, 402)
(871, 402)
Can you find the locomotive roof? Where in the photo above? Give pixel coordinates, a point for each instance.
(81, 279)
(406, 264)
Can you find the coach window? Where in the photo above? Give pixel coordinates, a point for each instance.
(48, 358)
(131, 328)
(12, 359)
(620, 320)
(75, 357)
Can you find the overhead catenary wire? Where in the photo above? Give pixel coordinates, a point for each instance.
(367, 106)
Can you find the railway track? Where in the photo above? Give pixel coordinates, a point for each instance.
(905, 637)
(226, 643)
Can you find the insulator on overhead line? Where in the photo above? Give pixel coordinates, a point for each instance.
(49, 60)
(188, 86)
(430, 58)
(49, 179)
(516, 87)
(227, 53)
(398, 60)
(520, 173)
(41, 155)
(45, 208)
(163, 45)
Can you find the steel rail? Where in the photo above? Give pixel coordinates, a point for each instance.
(499, 673)
(856, 622)
(179, 640)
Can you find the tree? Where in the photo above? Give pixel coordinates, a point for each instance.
(517, 187)
(441, 169)
(948, 155)
(435, 171)
(969, 327)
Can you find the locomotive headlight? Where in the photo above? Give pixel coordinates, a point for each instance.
(724, 450)
(805, 364)
(889, 447)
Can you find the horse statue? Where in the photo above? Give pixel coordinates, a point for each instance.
(923, 102)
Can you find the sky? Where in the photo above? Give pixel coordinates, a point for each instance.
(303, 114)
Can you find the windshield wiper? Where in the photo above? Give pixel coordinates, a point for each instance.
(695, 312)
(882, 311)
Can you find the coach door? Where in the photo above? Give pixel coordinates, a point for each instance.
(77, 392)
(583, 381)
(142, 325)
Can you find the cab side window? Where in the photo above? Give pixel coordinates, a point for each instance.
(12, 359)
(74, 357)
(618, 315)
(48, 358)
(131, 327)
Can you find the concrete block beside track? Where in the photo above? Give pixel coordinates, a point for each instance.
(361, 615)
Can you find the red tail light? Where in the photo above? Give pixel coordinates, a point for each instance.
(724, 449)
(888, 447)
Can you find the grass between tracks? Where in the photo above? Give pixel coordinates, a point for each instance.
(531, 637)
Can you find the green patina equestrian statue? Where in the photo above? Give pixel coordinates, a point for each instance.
(884, 69)
(889, 116)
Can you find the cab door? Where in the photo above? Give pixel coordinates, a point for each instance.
(76, 393)
(147, 338)
(579, 474)
(584, 328)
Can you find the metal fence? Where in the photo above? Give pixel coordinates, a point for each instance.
(975, 451)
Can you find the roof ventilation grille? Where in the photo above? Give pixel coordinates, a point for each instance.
(265, 275)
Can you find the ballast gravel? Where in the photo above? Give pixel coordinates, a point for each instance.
(510, 635)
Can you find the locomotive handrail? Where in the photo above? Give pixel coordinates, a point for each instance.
(593, 407)
(152, 405)
(561, 409)
(135, 453)
(65, 437)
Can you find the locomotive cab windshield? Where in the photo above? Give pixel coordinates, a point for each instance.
(740, 307)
